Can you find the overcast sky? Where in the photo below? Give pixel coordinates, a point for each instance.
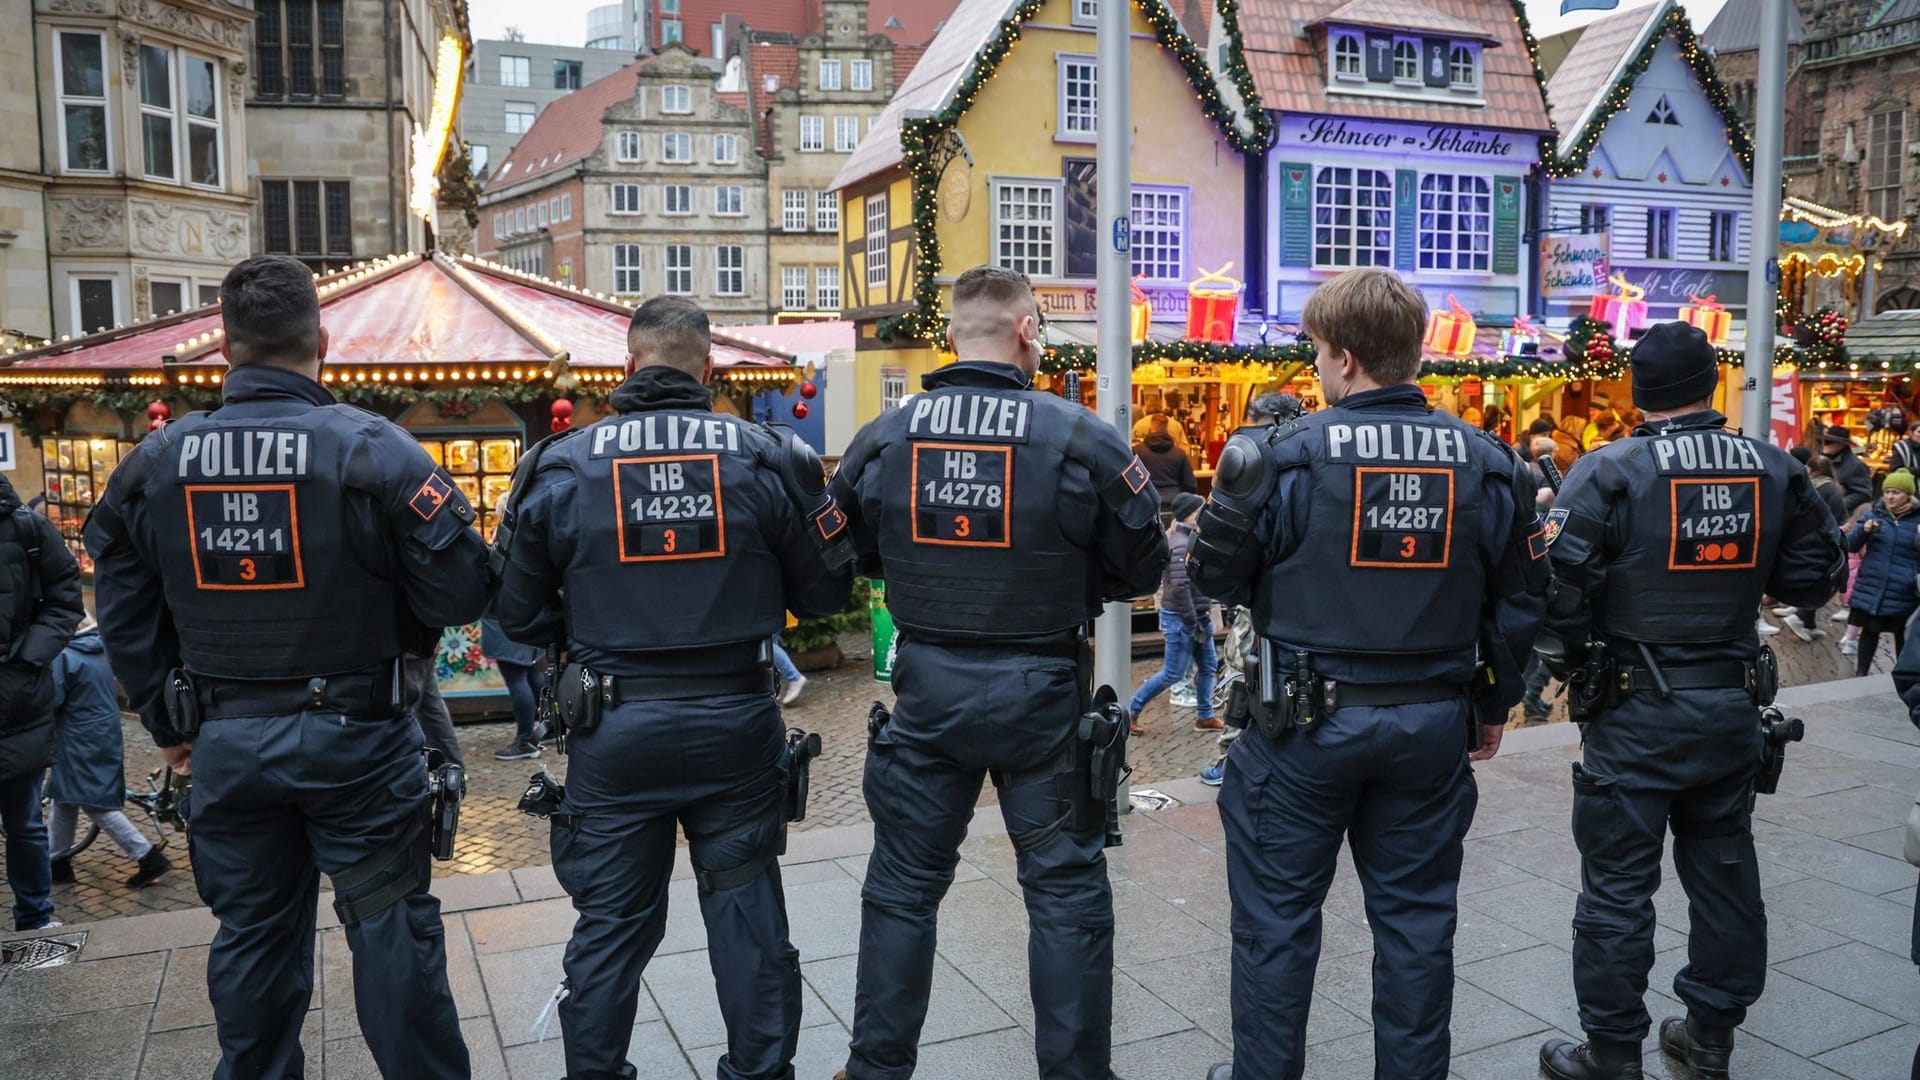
(564, 22)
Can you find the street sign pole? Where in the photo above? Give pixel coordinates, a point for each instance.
(1763, 266)
(1113, 634)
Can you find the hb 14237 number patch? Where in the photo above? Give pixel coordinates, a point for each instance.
(1403, 518)
(245, 536)
(669, 508)
(962, 494)
(1716, 523)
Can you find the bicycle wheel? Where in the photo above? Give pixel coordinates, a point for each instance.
(83, 834)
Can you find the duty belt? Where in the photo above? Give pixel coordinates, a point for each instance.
(1336, 695)
(1063, 646)
(1723, 675)
(374, 693)
(620, 689)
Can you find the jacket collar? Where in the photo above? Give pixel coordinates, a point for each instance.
(258, 382)
(985, 373)
(1386, 397)
(1693, 421)
(661, 387)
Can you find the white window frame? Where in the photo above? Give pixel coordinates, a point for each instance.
(672, 139)
(722, 255)
(1660, 242)
(893, 388)
(826, 211)
(826, 288)
(190, 121)
(729, 200)
(1458, 227)
(1349, 57)
(860, 75)
(104, 103)
(813, 134)
(676, 93)
(1071, 125)
(829, 74)
(1723, 235)
(521, 76)
(684, 202)
(1406, 64)
(168, 112)
(186, 294)
(1086, 13)
(793, 288)
(566, 206)
(1038, 264)
(846, 134)
(499, 227)
(730, 155)
(794, 202)
(509, 110)
(540, 211)
(624, 199)
(1347, 195)
(682, 274)
(877, 243)
(626, 146)
(1147, 202)
(626, 269)
(1884, 178)
(74, 277)
(1463, 75)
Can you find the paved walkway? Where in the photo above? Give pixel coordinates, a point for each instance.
(1842, 999)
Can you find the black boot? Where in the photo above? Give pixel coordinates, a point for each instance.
(152, 865)
(1706, 1049)
(63, 871)
(1595, 1059)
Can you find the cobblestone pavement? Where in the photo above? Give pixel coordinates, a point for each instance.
(495, 836)
(1840, 1001)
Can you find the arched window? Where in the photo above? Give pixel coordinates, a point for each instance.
(1346, 56)
(1406, 61)
(1460, 66)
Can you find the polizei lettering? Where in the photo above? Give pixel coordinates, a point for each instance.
(1706, 451)
(244, 455)
(665, 431)
(969, 416)
(1421, 443)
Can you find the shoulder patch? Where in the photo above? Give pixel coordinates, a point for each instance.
(1135, 475)
(1556, 520)
(431, 497)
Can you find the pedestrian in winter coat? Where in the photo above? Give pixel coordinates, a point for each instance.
(1567, 445)
(1820, 468)
(1186, 620)
(1884, 594)
(88, 765)
(1856, 481)
(39, 607)
(1168, 466)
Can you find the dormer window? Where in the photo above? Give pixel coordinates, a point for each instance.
(1462, 73)
(1403, 64)
(1406, 61)
(1346, 57)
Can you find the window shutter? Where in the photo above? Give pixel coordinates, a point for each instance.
(1296, 214)
(1406, 209)
(1506, 224)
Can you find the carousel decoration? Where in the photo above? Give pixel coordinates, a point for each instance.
(1626, 310)
(1707, 313)
(1451, 331)
(1213, 306)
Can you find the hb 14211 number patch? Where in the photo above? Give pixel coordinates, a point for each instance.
(1716, 523)
(962, 494)
(1403, 518)
(669, 508)
(245, 536)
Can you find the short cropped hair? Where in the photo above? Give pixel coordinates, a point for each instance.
(671, 331)
(270, 312)
(991, 284)
(1374, 315)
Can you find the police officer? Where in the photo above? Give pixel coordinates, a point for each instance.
(663, 545)
(255, 567)
(1416, 533)
(1662, 546)
(1001, 518)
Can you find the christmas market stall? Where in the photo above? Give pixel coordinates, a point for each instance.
(477, 361)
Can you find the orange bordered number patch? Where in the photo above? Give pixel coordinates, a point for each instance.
(669, 508)
(1402, 518)
(1716, 523)
(431, 497)
(1135, 474)
(963, 494)
(245, 537)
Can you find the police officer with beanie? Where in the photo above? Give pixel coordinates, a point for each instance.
(662, 547)
(1420, 531)
(256, 569)
(1002, 517)
(1662, 546)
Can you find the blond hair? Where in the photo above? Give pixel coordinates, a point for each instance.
(1374, 315)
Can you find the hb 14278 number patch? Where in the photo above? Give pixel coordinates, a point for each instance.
(1716, 523)
(962, 494)
(245, 537)
(1403, 518)
(669, 508)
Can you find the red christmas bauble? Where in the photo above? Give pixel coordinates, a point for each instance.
(808, 390)
(801, 409)
(562, 409)
(158, 410)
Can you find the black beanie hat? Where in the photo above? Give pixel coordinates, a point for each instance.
(1185, 503)
(1673, 365)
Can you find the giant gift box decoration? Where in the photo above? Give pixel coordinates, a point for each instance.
(1452, 331)
(1625, 311)
(1213, 306)
(1141, 311)
(1706, 313)
(1523, 339)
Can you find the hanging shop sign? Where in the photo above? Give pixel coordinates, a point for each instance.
(1400, 137)
(1575, 265)
(1167, 303)
(1784, 417)
(1672, 286)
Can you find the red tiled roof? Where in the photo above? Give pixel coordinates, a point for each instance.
(778, 59)
(1289, 66)
(698, 16)
(919, 19)
(1593, 64)
(1403, 15)
(565, 131)
(904, 59)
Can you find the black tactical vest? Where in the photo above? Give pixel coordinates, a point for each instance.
(267, 574)
(1391, 560)
(672, 508)
(1706, 509)
(983, 510)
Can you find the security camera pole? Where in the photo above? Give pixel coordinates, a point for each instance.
(1113, 634)
(1763, 268)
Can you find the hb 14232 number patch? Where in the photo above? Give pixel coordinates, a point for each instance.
(962, 494)
(669, 508)
(245, 536)
(1716, 523)
(1403, 518)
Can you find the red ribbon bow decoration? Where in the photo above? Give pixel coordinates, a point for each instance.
(1706, 303)
(1523, 326)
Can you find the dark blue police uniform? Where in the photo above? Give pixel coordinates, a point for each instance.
(1386, 550)
(1663, 545)
(1001, 519)
(274, 549)
(663, 547)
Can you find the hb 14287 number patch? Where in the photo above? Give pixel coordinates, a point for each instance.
(962, 494)
(1403, 518)
(245, 536)
(669, 508)
(1716, 523)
